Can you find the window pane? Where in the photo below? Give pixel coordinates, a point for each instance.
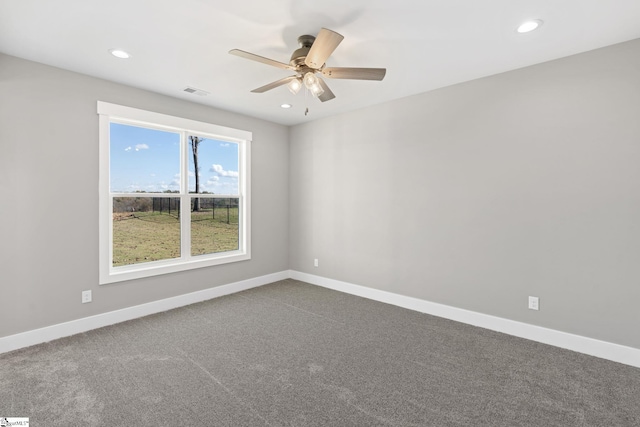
(145, 229)
(214, 226)
(143, 160)
(217, 166)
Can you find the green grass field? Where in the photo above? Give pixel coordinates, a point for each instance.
(151, 236)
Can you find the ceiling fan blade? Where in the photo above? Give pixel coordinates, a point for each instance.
(258, 58)
(274, 84)
(326, 42)
(327, 95)
(354, 73)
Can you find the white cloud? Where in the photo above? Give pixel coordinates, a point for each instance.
(221, 172)
(224, 144)
(138, 147)
(218, 186)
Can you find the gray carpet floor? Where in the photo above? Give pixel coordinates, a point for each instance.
(293, 354)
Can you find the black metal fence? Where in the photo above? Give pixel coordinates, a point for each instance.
(170, 205)
(221, 209)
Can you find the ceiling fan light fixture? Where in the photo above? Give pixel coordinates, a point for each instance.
(312, 83)
(310, 80)
(316, 90)
(294, 86)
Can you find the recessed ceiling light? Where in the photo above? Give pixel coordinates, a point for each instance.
(528, 26)
(119, 53)
(286, 106)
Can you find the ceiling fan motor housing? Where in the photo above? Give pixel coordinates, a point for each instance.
(298, 56)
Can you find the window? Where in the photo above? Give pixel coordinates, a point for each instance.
(174, 194)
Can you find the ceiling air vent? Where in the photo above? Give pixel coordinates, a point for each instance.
(195, 91)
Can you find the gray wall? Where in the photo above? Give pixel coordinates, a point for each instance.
(49, 200)
(481, 194)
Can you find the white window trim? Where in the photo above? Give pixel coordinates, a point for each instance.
(111, 112)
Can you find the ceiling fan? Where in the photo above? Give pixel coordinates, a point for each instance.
(308, 60)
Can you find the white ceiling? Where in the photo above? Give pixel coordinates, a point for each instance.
(424, 44)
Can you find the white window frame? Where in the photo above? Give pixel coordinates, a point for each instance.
(109, 113)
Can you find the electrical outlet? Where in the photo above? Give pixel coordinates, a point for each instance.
(534, 303)
(315, 262)
(86, 297)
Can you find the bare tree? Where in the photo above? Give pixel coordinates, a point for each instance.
(195, 141)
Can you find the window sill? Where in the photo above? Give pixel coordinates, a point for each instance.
(155, 268)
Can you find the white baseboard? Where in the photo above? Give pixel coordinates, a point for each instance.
(49, 333)
(605, 350)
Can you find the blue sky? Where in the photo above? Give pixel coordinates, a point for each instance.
(149, 160)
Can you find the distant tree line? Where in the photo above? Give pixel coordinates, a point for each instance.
(162, 204)
(132, 204)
